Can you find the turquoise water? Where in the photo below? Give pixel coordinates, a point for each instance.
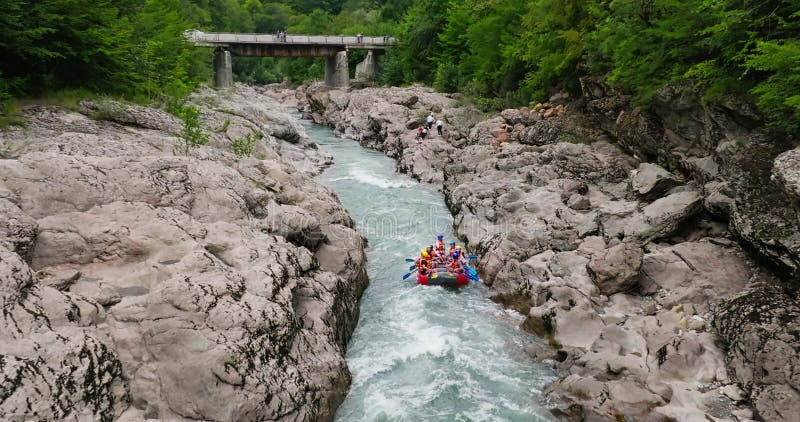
(422, 353)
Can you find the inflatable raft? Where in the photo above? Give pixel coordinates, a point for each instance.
(442, 277)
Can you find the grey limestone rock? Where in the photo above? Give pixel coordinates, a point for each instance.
(650, 181)
(17, 229)
(547, 206)
(786, 171)
(56, 365)
(616, 269)
(759, 327)
(195, 287)
(663, 216)
(578, 202)
(718, 199)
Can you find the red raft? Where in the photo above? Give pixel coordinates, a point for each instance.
(442, 277)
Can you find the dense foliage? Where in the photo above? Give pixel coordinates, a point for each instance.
(518, 51)
(505, 52)
(135, 48)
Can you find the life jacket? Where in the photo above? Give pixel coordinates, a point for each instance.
(423, 266)
(451, 250)
(439, 245)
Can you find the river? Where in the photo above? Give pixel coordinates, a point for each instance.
(423, 353)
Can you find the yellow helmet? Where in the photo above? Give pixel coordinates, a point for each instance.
(458, 247)
(424, 253)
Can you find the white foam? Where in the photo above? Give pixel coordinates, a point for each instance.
(360, 175)
(382, 407)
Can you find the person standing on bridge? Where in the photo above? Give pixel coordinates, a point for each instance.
(360, 38)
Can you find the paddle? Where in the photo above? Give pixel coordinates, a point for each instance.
(410, 260)
(409, 274)
(472, 274)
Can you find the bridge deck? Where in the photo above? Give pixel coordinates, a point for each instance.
(216, 39)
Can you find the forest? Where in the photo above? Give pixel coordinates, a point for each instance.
(499, 53)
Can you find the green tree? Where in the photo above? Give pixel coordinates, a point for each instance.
(165, 63)
(778, 94)
(192, 134)
(57, 44)
(418, 40)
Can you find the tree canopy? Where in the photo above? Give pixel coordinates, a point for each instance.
(506, 52)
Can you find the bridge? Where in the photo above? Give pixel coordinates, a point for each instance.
(333, 48)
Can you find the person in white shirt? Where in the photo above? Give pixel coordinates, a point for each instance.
(430, 119)
(439, 125)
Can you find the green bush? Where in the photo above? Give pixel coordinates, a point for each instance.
(192, 135)
(243, 147)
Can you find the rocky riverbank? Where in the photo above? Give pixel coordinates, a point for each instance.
(141, 283)
(630, 240)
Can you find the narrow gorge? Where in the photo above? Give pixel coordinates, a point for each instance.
(422, 353)
(654, 250)
(636, 264)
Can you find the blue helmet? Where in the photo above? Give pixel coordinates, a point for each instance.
(440, 236)
(452, 243)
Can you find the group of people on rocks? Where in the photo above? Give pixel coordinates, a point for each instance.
(422, 132)
(434, 257)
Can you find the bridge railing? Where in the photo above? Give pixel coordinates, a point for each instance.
(213, 38)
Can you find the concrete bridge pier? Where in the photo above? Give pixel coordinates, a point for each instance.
(368, 69)
(336, 71)
(223, 71)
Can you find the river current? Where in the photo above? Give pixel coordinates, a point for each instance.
(422, 353)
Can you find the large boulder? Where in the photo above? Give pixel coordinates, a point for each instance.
(760, 330)
(663, 217)
(131, 115)
(764, 215)
(616, 269)
(786, 172)
(650, 181)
